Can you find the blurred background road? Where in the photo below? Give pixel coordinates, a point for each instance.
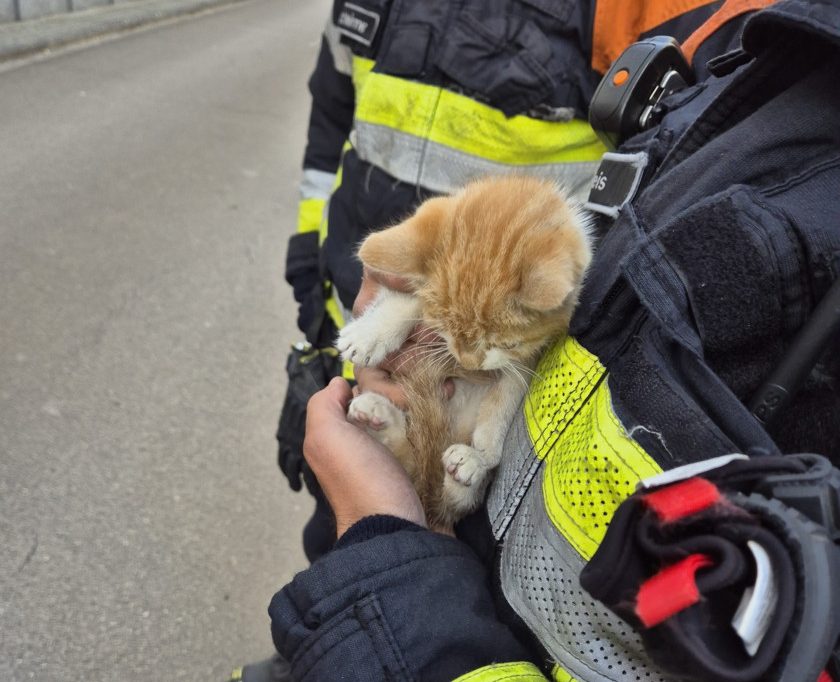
(147, 189)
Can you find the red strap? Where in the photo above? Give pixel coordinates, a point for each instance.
(670, 591)
(682, 499)
(825, 677)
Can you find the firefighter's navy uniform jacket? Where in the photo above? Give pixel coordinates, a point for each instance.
(411, 99)
(695, 292)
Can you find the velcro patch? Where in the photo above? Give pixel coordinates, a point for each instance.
(358, 23)
(616, 182)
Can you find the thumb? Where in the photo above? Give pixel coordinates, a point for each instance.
(331, 400)
(339, 390)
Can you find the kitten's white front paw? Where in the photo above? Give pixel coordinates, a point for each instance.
(361, 344)
(465, 464)
(380, 417)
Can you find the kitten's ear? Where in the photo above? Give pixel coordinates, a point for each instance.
(547, 283)
(406, 248)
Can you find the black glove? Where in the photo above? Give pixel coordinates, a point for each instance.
(309, 369)
(683, 559)
(302, 269)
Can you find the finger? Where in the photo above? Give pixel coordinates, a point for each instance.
(390, 280)
(367, 293)
(394, 392)
(359, 475)
(376, 380)
(337, 393)
(369, 377)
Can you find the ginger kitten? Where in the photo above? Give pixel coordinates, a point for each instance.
(495, 270)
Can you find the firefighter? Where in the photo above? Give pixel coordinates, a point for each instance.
(410, 100)
(714, 253)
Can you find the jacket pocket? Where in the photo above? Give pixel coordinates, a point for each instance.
(501, 59)
(561, 10)
(356, 641)
(740, 271)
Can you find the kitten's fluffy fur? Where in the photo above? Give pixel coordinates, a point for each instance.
(496, 270)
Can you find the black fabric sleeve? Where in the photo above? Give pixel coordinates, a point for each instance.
(406, 605)
(331, 118)
(302, 264)
(371, 526)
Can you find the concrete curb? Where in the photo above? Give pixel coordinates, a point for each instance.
(23, 38)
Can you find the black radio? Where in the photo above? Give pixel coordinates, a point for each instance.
(627, 97)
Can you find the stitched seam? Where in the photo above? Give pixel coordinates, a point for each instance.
(799, 178)
(370, 576)
(512, 676)
(339, 619)
(484, 670)
(385, 631)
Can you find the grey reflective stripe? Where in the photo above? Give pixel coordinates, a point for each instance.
(316, 184)
(341, 54)
(540, 574)
(513, 477)
(540, 579)
(442, 169)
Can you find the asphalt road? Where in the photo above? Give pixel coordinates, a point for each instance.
(147, 189)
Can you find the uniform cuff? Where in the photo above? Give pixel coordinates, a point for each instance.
(372, 526)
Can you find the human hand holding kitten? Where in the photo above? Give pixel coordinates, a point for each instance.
(359, 475)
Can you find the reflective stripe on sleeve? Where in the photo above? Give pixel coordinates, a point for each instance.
(310, 214)
(510, 672)
(316, 184)
(315, 188)
(339, 314)
(341, 54)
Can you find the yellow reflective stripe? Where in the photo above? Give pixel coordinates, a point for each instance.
(459, 122)
(510, 672)
(361, 69)
(347, 370)
(334, 311)
(592, 463)
(310, 214)
(560, 675)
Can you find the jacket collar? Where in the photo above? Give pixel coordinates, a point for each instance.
(809, 18)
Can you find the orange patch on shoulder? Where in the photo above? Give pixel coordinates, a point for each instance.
(729, 10)
(618, 23)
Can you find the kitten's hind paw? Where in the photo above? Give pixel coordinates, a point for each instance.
(466, 479)
(379, 417)
(375, 411)
(465, 465)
